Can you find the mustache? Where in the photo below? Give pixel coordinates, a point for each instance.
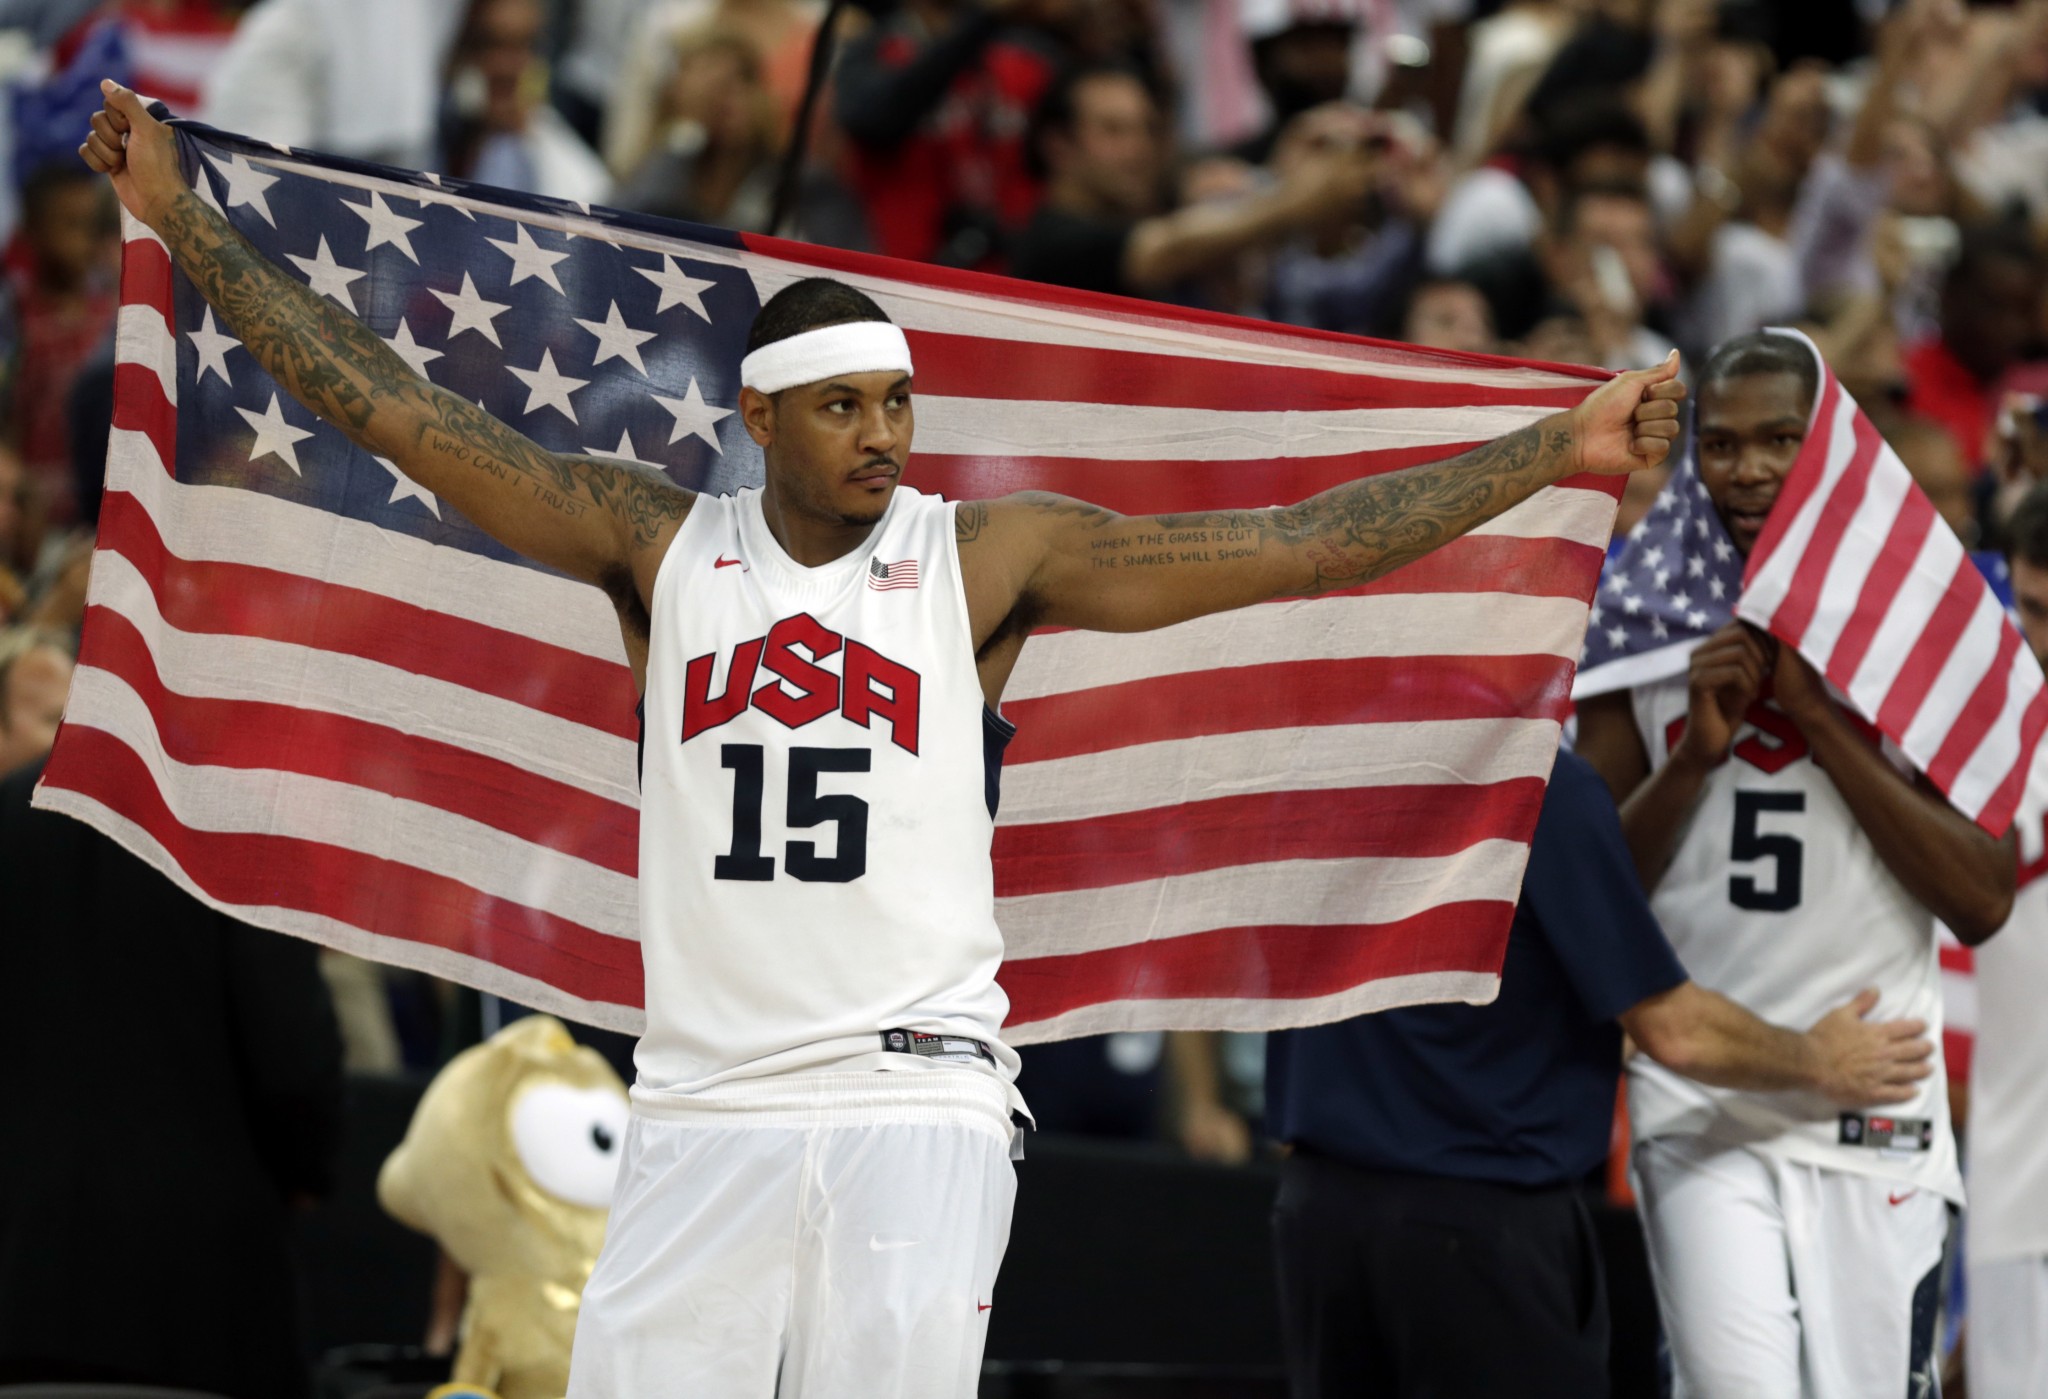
(883, 460)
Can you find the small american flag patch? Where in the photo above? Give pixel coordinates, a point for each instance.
(884, 576)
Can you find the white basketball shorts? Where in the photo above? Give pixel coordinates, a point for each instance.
(1780, 1280)
(817, 1236)
(2006, 1341)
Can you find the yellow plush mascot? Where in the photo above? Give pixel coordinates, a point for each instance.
(509, 1163)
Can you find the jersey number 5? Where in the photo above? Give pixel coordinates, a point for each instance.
(807, 807)
(1784, 851)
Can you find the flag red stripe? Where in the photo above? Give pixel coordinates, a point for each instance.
(234, 599)
(1795, 613)
(1800, 484)
(1285, 694)
(1496, 563)
(1979, 712)
(1944, 628)
(1330, 824)
(379, 896)
(147, 278)
(2005, 799)
(254, 735)
(1888, 572)
(1270, 962)
(974, 366)
(140, 406)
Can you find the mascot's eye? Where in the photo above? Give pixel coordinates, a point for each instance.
(567, 1138)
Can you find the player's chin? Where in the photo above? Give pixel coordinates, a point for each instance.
(865, 502)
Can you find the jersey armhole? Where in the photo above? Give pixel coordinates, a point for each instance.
(698, 507)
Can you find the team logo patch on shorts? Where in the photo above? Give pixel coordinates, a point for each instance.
(1886, 1133)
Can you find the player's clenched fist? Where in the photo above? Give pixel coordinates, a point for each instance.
(1630, 421)
(1728, 670)
(137, 150)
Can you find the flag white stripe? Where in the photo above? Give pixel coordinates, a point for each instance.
(208, 666)
(1999, 750)
(141, 337)
(225, 524)
(1576, 514)
(1974, 651)
(267, 801)
(1368, 890)
(1127, 432)
(1861, 544)
(1255, 1012)
(1147, 776)
(1431, 624)
(347, 937)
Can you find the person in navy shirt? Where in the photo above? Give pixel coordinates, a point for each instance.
(1429, 1231)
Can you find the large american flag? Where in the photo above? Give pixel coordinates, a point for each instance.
(1856, 572)
(316, 696)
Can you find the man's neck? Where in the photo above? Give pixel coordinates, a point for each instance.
(806, 538)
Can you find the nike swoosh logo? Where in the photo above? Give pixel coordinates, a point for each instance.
(723, 562)
(878, 1246)
(1900, 1199)
(983, 1306)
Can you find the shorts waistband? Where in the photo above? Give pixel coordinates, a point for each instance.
(838, 1099)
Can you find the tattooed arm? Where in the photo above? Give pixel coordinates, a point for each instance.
(1043, 560)
(606, 522)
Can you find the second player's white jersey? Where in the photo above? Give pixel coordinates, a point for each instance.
(1776, 898)
(2008, 1216)
(816, 788)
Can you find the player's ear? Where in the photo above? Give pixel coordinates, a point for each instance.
(757, 411)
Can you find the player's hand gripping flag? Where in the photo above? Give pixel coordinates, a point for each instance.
(316, 696)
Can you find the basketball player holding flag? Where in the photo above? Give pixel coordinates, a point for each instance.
(815, 1189)
(1794, 862)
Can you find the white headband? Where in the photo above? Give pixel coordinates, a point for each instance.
(856, 347)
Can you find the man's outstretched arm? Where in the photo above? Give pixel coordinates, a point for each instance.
(605, 522)
(1077, 565)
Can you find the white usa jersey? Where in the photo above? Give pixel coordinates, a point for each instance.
(1777, 899)
(816, 794)
(2008, 1216)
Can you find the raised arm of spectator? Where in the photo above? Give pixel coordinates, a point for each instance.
(1982, 87)
(879, 105)
(1163, 250)
(1730, 76)
(1852, 1061)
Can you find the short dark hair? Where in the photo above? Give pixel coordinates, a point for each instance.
(2026, 533)
(1761, 352)
(1601, 56)
(1565, 222)
(809, 304)
(1577, 124)
(47, 180)
(1985, 244)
